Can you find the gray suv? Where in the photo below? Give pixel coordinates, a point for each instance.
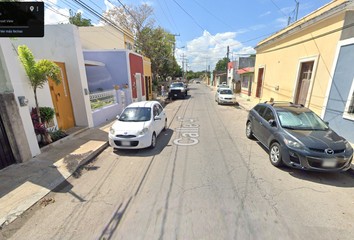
(297, 137)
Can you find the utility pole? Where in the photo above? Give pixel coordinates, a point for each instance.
(297, 10)
(228, 52)
(187, 69)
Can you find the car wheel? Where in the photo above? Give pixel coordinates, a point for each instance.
(153, 141)
(218, 102)
(165, 127)
(249, 132)
(275, 156)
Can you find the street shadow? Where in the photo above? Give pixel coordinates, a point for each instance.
(162, 141)
(180, 99)
(51, 168)
(337, 179)
(113, 223)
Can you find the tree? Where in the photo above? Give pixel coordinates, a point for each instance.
(79, 21)
(38, 72)
(157, 44)
(221, 65)
(134, 18)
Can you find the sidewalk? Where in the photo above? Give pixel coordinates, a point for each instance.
(24, 184)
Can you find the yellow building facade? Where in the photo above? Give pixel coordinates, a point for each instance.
(294, 65)
(148, 78)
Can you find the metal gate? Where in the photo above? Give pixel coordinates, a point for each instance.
(6, 155)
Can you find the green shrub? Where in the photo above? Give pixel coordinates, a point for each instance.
(98, 104)
(47, 113)
(56, 134)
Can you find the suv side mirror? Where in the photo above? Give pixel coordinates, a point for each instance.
(117, 116)
(272, 123)
(157, 118)
(327, 123)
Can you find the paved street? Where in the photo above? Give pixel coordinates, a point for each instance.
(204, 180)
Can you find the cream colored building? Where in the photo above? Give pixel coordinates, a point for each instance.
(106, 37)
(295, 63)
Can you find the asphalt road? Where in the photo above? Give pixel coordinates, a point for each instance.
(204, 180)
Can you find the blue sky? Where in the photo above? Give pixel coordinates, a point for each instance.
(206, 27)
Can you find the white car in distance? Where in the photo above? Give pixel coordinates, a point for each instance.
(138, 126)
(225, 96)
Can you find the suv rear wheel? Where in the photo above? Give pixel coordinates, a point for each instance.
(249, 133)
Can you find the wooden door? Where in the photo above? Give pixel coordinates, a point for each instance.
(250, 85)
(62, 100)
(259, 82)
(304, 83)
(6, 155)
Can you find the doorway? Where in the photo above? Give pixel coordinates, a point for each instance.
(259, 82)
(304, 82)
(62, 100)
(6, 155)
(138, 86)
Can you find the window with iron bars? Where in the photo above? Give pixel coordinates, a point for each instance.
(351, 105)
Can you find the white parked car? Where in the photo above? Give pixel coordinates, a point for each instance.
(224, 95)
(138, 126)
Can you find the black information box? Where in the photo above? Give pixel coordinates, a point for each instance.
(21, 19)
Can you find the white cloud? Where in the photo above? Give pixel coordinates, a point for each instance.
(208, 50)
(281, 22)
(287, 10)
(257, 27)
(265, 14)
(109, 5)
(55, 15)
(149, 3)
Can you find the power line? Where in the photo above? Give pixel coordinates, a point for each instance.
(100, 16)
(279, 9)
(165, 14)
(214, 16)
(153, 14)
(127, 11)
(196, 22)
(171, 16)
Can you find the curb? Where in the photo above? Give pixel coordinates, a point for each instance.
(28, 203)
(50, 146)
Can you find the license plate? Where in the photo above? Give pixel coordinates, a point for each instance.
(175, 95)
(125, 143)
(329, 164)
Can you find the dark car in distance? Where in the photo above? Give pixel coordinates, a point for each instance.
(297, 137)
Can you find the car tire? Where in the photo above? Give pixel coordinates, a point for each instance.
(218, 102)
(275, 155)
(249, 133)
(165, 127)
(153, 141)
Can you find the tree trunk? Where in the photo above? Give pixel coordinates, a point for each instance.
(46, 137)
(37, 107)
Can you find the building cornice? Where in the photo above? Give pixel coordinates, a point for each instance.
(297, 26)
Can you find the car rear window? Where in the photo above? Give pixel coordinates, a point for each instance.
(225, 92)
(177, 85)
